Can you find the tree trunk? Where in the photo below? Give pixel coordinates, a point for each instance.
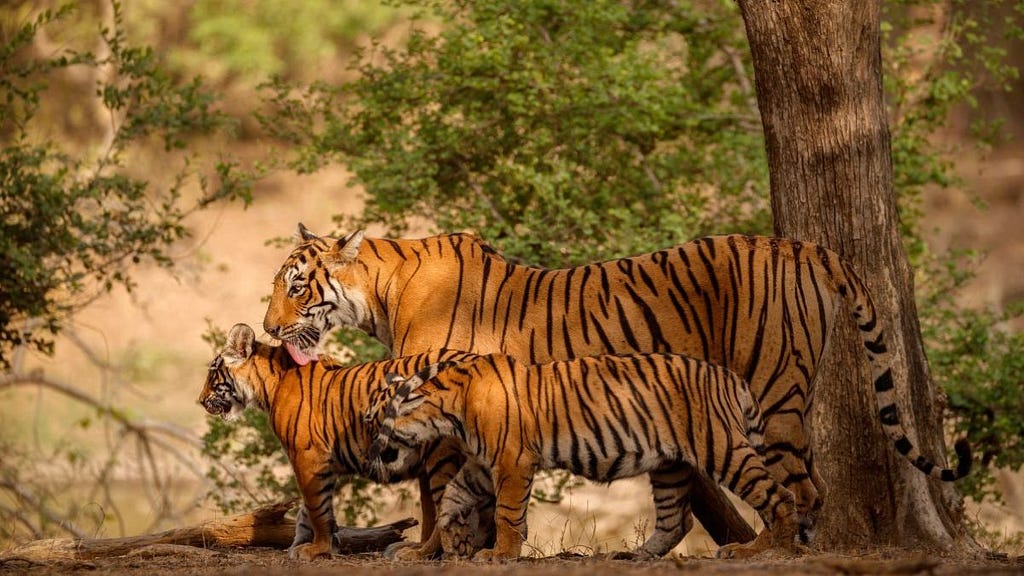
(817, 66)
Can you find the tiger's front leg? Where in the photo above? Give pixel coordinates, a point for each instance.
(512, 488)
(316, 484)
(303, 529)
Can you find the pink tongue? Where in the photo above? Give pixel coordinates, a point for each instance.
(297, 355)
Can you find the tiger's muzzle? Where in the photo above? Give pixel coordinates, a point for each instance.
(216, 406)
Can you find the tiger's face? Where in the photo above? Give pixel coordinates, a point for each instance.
(318, 289)
(227, 392)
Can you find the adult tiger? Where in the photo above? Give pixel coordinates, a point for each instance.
(763, 307)
(316, 411)
(602, 417)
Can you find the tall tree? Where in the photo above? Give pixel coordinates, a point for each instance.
(818, 75)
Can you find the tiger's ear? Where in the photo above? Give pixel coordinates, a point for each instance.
(345, 250)
(303, 234)
(240, 344)
(392, 379)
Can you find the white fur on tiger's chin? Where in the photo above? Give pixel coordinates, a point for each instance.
(298, 356)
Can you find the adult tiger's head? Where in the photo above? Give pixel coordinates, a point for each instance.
(229, 387)
(319, 288)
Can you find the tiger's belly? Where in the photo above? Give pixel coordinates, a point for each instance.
(602, 465)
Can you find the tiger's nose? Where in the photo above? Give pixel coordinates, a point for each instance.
(271, 327)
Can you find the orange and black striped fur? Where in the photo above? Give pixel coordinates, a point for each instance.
(763, 307)
(605, 418)
(317, 413)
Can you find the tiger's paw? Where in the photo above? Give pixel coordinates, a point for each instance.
(638, 555)
(752, 549)
(309, 551)
(620, 555)
(409, 552)
(459, 543)
(738, 551)
(493, 555)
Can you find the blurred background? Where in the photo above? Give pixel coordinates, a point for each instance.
(158, 156)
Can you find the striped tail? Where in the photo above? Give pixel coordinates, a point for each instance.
(385, 402)
(862, 309)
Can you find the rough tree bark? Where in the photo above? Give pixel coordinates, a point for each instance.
(817, 66)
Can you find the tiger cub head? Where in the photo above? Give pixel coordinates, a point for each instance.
(233, 377)
(403, 415)
(318, 288)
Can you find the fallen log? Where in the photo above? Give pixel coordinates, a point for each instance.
(264, 527)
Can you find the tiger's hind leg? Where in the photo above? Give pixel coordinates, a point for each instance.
(466, 517)
(442, 462)
(787, 455)
(773, 502)
(671, 490)
(463, 497)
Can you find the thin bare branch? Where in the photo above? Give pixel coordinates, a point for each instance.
(27, 495)
(24, 520)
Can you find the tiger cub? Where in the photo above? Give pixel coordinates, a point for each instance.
(316, 411)
(603, 417)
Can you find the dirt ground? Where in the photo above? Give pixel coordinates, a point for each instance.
(181, 560)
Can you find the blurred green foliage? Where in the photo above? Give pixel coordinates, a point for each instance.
(979, 361)
(251, 39)
(561, 131)
(73, 220)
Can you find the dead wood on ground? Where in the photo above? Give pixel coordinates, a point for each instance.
(265, 527)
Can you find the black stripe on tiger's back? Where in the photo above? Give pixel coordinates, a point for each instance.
(485, 280)
(531, 275)
(453, 322)
(581, 308)
(625, 325)
(707, 259)
(372, 243)
(395, 246)
(549, 305)
(648, 281)
(625, 266)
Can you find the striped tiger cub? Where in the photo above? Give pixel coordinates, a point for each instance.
(316, 411)
(605, 418)
(762, 307)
